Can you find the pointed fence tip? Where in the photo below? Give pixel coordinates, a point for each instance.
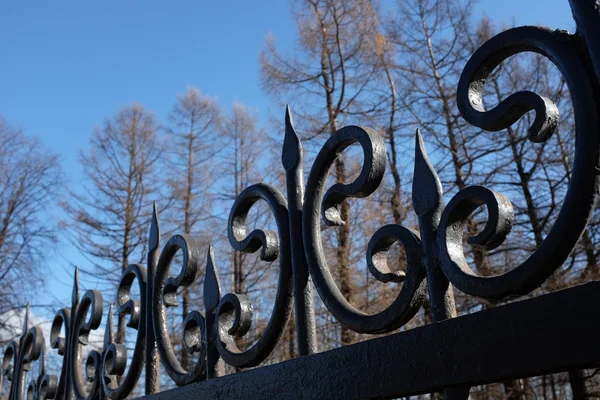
(212, 286)
(109, 332)
(419, 145)
(426, 187)
(75, 293)
(289, 121)
(154, 235)
(291, 156)
(26, 320)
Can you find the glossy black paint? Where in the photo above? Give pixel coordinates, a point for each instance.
(450, 355)
(468, 350)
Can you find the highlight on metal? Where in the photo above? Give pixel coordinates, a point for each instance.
(435, 256)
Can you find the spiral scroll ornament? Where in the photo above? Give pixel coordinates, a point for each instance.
(234, 312)
(86, 317)
(115, 354)
(43, 386)
(165, 295)
(18, 358)
(327, 205)
(563, 49)
(62, 319)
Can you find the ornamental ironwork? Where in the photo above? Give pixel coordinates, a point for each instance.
(453, 354)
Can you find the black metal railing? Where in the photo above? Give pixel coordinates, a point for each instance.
(453, 354)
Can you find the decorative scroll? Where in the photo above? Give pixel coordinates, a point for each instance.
(165, 295)
(564, 51)
(19, 356)
(327, 206)
(115, 354)
(435, 255)
(235, 311)
(87, 317)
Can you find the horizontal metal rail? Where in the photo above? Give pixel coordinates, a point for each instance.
(546, 334)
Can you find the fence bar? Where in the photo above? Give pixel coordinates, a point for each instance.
(514, 341)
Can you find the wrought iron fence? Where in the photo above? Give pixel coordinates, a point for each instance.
(453, 354)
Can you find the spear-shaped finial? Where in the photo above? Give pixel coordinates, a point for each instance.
(109, 331)
(212, 286)
(154, 235)
(427, 188)
(43, 359)
(75, 293)
(291, 156)
(26, 321)
(152, 357)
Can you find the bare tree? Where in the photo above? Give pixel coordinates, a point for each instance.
(30, 178)
(193, 139)
(240, 170)
(434, 39)
(384, 53)
(542, 174)
(327, 78)
(193, 133)
(110, 213)
(245, 155)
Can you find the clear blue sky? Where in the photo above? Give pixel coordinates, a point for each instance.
(65, 65)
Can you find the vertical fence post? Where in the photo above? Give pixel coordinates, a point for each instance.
(152, 357)
(303, 294)
(586, 14)
(427, 199)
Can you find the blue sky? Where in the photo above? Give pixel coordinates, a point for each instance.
(66, 65)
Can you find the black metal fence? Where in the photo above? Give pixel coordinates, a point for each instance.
(451, 355)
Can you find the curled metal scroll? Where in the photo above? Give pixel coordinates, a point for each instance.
(92, 304)
(18, 358)
(408, 301)
(165, 295)
(562, 49)
(115, 355)
(30, 349)
(234, 313)
(61, 319)
(43, 386)
(9, 362)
